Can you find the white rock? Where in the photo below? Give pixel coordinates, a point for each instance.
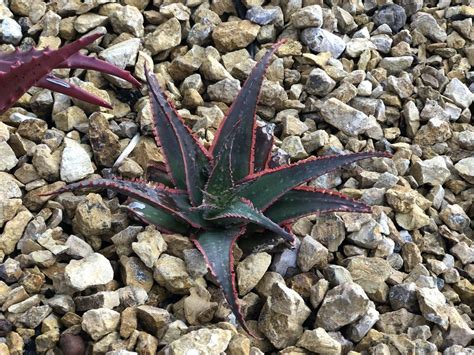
(99, 322)
(75, 162)
(93, 270)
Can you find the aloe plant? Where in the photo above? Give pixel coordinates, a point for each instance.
(21, 70)
(214, 194)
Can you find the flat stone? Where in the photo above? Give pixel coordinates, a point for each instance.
(465, 168)
(166, 36)
(149, 246)
(153, 319)
(75, 162)
(92, 217)
(319, 341)
(431, 171)
(312, 254)
(319, 40)
(93, 270)
(9, 159)
(100, 322)
(308, 16)
(427, 25)
(346, 118)
(201, 341)
(233, 35)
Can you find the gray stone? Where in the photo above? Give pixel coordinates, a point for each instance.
(396, 65)
(225, 90)
(166, 36)
(459, 93)
(343, 305)
(455, 217)
(319, 83)
(393, 15)
(10, 31)
(369, 236)
(348, 119)
(9, 159)
(282, 316)
(312, 254)
(262, 16)
(465, 168)
(320, 40)
(431, 171)
(427, 25)
(357, 330)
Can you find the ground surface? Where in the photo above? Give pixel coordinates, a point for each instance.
(78, 272)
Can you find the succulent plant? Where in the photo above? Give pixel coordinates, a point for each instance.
(21, 70)
(214, 194)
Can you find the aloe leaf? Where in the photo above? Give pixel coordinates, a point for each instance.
(221, 179)
(305, 200)
(263, 146)
(187, 160)
(53, 83)
(168, 200)
(157, 173)
(267, 186)
(23, 75)
(243, 211)
(163, 220)
(216, 247)
(82, 61)
(241, 118)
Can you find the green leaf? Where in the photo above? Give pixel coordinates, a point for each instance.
(266, 187)
(188, 161)
(221, 180)
(163, 220)
(241, 118)
(157, 173)
(243, 211)
(216, 247)
(306, 200)
(172, 201)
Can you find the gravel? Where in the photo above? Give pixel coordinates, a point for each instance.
(77, 271)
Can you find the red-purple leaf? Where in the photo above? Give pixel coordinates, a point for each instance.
(187, 160)
(216, 247)
(266, 187)
(240, 120)
(23, 75)
(305, 200)
(53, 83)
(157, 173)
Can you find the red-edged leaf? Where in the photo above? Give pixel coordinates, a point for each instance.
(263, 146)
(168, 200)
(266, 187)
(53, 83)
(305, 200)
(156, 172)
(163, 220)
(221, 180)
(23, 75)
(240, 120)
(216, 247)
(243, 211)
(187, 160)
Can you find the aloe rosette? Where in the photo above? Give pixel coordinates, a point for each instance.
(21, 70)
(215, 195)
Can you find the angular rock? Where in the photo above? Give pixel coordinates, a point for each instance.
(75, 162)
(250, 270)
(100, 322)
(282, 316)
(319, 341)
(201, 341)
(93, 270)
(319, 40)
(343, 305)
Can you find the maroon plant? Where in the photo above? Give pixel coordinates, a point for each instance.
(213, 195)
(21, 70)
